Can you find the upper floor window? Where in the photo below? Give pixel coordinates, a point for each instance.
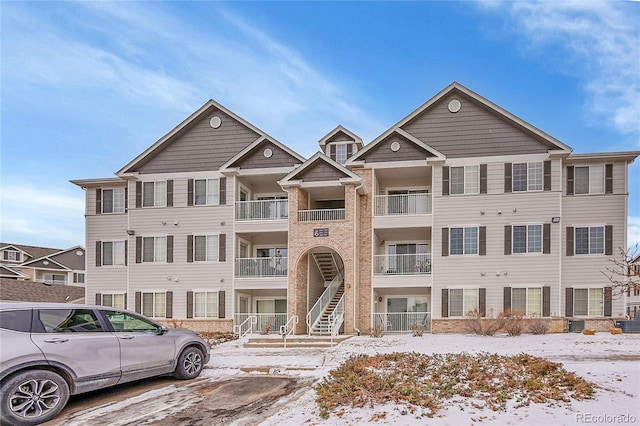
(154, 249)
(205, 192)
(589, 179)
(205, 248)
(527, 177)
(11, 255)
(589, 240)
(341, 153)
(527, 239)
(58, 279)
(463, 240)
(464, 180)
(113, 200)
(113, 253)
(78, 277)
(154, 194)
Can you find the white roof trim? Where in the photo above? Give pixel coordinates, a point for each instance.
(288, 179)
(247, 149)
(437, 154)
(340, 128)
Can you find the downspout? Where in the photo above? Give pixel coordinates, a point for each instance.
(355, 235)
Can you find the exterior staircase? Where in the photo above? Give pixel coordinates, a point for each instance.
(327, 265)
(322, 326)
(274, 342)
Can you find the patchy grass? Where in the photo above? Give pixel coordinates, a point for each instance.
(428, 382)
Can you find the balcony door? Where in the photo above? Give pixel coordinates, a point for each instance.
(408, 258)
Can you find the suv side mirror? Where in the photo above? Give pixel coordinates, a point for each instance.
(163, 329)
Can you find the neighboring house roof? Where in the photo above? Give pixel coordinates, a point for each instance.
(29, 291)
(72, 259)
(8, 272)
(33, 252)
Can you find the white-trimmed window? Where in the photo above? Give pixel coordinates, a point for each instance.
(463, 301)
(527, 176)
(11, 255)
(205, 304)
(527, 239)
(154, 194)
(154, 305)
(114, 300)
(527, 300)
(588, 302)
(589, 179)
(464, 180)
(78, 277)
(113, 200)
(113, 253)
(206, 192)
(589, 240)
(205, 248)
(154, 249)
(341, 153)
(463, 240)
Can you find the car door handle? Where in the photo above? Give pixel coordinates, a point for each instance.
(56, 340)
(126, 337)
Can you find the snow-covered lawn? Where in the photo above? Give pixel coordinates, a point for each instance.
(612, 362)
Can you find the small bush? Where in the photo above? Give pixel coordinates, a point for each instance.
(376, 331)
(482, 326)
(512, 322)
(539, 325)
(418, 330)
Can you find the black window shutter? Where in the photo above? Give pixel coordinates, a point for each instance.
(98, 299)
(170, 193)
(138, 306)
(169, 248)
(221, 301)
(546, 301)
(608, 240)
(190, 192)
(190, 304)
(445, 241)
(126, 198)
(223, 191)
(222, 247)
(98, 201)
(607, 301)
(507, 177)
(138, 249)
(608, 179)
(98, 253)
(570, 180)
(569, 240)
(546, 238)
(349, 150)
(126, 253)
(125, 301)
(138, 195)
(189, 248)
(445, 180)
(507, 240)
(483, 178)
(169, 304)
(482, 301)
(506, 298)
(445, 303)
(332, 151)
(547, 175)
(482, 243)
(568, 302)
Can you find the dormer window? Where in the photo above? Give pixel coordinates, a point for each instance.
(341, 153)
(11, 255)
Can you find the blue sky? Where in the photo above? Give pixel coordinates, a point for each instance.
(87, 86)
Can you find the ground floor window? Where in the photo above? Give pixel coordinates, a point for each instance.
(408, 304)
(205, 304)
(114, 300)
(527, 300)
(462, 301)
(588, 302)
(154, 305)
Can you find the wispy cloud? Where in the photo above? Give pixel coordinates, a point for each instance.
(633, 231)
(600, 42)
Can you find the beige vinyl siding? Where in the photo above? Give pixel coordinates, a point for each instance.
(472, 132)
(201, 147)
(462, 271)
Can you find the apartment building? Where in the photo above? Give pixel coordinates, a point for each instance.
(459, 207)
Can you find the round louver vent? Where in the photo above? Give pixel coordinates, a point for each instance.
(454, 105)
(215, 122)
(395, 146)
(267, 153)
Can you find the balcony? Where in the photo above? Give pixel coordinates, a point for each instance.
(321, 215)
(402, 204)
(402, 264)
(262, 210)
(402, 321)
(261, 267)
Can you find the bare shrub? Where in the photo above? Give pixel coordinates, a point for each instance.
(512, 322)
(418, 330)
(477, 324)
(539, 325)
(376, 331)
(174, 324)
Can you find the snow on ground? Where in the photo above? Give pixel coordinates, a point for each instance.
(610, 361)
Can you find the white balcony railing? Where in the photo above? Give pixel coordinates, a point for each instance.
(402, 204)
(262, 210)
(320, 215)
(402, 321)
(402, 264)
(269, 323)
(253, 267)
(54, 281)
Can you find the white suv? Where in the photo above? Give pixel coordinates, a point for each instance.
(53, 350)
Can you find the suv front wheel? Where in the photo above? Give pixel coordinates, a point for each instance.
(189, 364)
(32, 397)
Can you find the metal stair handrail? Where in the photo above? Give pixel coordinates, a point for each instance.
(251, 319)
(321, 304)
(288, 328)
(336, 319)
